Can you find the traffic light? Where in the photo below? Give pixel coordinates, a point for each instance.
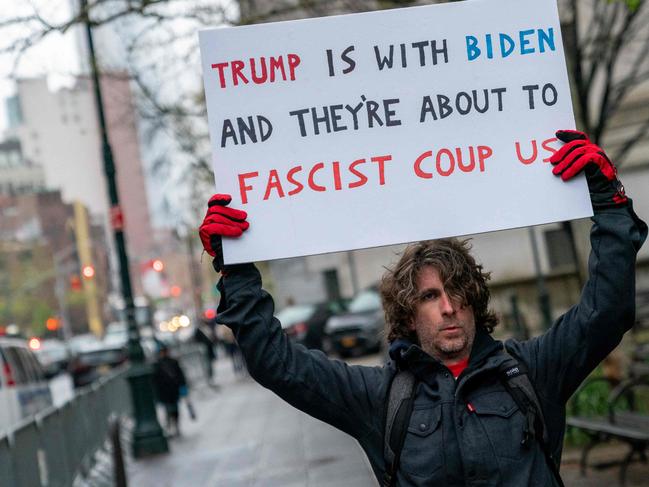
(157, 265)
(52, 323)
(75, 283)
(88, 271)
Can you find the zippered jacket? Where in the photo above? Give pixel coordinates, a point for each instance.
(464, 432)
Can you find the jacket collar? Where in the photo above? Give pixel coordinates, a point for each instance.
(407, 355)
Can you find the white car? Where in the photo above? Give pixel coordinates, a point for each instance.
(23, 388)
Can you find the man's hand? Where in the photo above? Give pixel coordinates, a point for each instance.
(578, 154)
(221, 221)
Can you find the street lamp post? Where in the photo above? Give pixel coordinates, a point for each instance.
(148, 437)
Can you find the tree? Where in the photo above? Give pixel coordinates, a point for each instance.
(156, 42)
(607, 43)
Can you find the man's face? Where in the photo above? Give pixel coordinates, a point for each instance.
(445, 328)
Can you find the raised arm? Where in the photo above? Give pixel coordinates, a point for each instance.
(330, 390)
(579, 340)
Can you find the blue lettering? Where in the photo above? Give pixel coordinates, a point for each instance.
(529, 41)
(472, 49)
(525, 41)
(506, 51)
(546, 38)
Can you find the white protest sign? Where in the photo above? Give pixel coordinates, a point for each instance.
(387, 127)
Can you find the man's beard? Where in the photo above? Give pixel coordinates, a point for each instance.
(448, 348)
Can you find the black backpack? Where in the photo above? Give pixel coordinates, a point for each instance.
(401, 398)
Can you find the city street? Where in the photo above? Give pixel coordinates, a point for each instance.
(247, 436)
(181, 179)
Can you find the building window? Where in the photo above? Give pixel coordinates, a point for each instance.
(560, 253)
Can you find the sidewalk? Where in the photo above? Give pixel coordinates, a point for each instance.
(246, 436)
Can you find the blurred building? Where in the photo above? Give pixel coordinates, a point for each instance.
(17, 174)
(59, 132)
(39, 243)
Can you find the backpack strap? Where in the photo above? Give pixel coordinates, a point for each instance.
(517, 382)
(398, 409)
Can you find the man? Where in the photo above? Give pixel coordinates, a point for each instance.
(465, 427)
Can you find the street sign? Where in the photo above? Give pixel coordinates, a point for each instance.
(387, 127)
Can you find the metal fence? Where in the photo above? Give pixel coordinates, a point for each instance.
(51, 449)
(70, 445)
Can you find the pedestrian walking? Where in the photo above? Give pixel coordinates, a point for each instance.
(170, 385)
(453, 406)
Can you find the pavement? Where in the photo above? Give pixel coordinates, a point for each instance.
(244, 435)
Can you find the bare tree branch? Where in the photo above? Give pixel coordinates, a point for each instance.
(639, 134)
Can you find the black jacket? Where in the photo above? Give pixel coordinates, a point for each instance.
(168, 378)
(447, 443)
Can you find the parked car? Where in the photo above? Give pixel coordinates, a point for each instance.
(54, 356)
(24, 391)
(93, 358)
(305, 323)
(359, 330)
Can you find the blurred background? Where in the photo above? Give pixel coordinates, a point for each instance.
(61, 291)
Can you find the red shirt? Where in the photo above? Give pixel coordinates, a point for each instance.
(456, 369)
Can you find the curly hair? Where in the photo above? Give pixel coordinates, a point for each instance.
(464, 281)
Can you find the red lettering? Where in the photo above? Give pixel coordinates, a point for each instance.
(547, 147)
(293, 62)
(273, 183)
(253, 68)
(337, 183)
(312, 184)
(237, 66)
(362, 179)
(418, 170)
(220, 67)
(484, 153)
(298, 185)
(439, 162)
(381, 161)
(243, 188)
(460, 164)
(528, 160)
(276, 63)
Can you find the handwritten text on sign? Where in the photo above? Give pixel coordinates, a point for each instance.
(387, 127)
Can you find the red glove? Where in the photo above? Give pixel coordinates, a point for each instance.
(221, 221)
(578, 154)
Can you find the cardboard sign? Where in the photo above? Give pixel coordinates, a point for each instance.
(379, 128)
